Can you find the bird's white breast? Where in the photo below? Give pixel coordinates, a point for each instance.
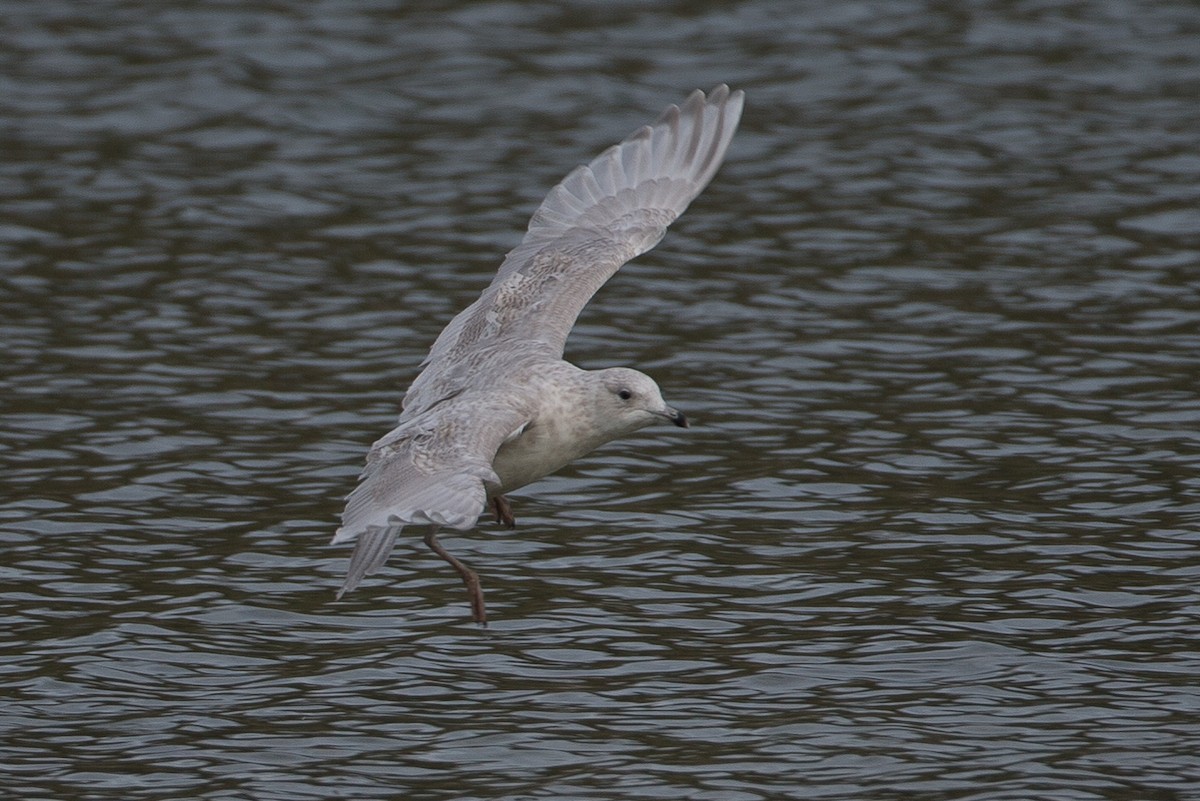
(549, 442)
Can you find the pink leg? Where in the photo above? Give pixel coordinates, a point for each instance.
(474, 590)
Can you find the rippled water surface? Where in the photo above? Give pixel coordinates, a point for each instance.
(934, 533)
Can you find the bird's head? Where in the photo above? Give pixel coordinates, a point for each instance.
(630, 400)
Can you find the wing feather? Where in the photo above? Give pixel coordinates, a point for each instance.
(600, 216)
(434, 469)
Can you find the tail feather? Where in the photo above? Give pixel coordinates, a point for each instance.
(371, 551)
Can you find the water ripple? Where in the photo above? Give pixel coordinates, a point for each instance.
(934, 533)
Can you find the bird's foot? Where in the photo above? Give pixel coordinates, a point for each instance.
(504, 513)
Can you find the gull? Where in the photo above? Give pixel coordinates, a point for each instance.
(495, 406)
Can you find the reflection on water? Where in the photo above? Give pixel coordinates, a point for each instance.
(934, 533)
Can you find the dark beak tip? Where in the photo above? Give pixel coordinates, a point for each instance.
(680, 420)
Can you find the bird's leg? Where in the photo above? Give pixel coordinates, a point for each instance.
(468, 576)
(504, 513)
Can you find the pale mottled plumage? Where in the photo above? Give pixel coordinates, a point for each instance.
(496, 407)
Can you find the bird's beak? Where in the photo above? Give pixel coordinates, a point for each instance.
(675, 416)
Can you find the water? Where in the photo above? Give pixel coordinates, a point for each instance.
(934, 533)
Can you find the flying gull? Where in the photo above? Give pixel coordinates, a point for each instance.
(496, 407)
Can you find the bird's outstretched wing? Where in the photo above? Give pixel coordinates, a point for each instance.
(434, 469)
(600, 216)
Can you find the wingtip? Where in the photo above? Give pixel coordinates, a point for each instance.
(694, 101)
(720, 96)
(718, 93)
(736, 101)
(669, 116)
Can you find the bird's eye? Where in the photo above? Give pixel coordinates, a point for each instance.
(624, 394)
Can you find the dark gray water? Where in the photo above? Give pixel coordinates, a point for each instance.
(937, 322)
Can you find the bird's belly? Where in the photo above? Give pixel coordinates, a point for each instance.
(537, 452)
